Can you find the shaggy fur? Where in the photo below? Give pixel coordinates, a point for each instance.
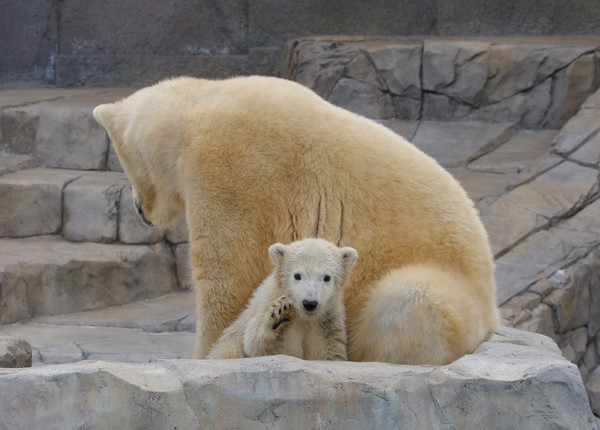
(256, 160)
(298, 309)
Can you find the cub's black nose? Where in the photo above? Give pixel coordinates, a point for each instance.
(310, 305)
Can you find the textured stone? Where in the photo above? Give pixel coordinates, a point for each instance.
(19, 128)
(480, 185)
(13, 162)
(69, 137)
(530, 206)
(406, 129)
(32, 201)
(593, 390)
(14, 352)
(158, 315)
(517, 380)
(545, 252)
(91, 207)
(399, 66)
(573, 344)
(517, 154)
(571, 302)
(46, 276)
(540, 321)
(589, 153)
(131, 228)
(454, 144)
(363, 99)
(577, 130)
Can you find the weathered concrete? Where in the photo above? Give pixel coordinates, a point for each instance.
(532, 82)
(517, 380)
(47, 276)
(14, 352)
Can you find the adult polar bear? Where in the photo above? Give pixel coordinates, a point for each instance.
(257, 160)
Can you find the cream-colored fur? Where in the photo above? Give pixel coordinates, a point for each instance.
(256, 160)
(298, 309)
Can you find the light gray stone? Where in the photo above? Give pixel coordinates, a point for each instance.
(46, 276)
(592, 102)
(517, 154)
(162, 314)
(589, 153)
(593, 390)
(577, 130)
(406, 129)
(19, 128)
(540, 321)
(573, 344)
(91, 207)
(571, 301)
(480, 185)
(13, 162)
(399, 65)
(32, 201)
(571, 87)
(363, 99)
(14, 352)
(454, 144)
(516, 380)
(530, 206)
(131, 227)
(113, 162)
(547, 252)
(69, 137)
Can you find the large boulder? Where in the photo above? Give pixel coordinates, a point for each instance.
(516, 380)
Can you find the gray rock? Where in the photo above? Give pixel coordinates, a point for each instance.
(593, 390)
(32, 201)
(516, 380)
(91, 207)
(13, 162)
(19, 128)
(573, 344)
(363, 99)
(589, 152)
(455, 144)
(577, 130)
(69, 137)
(14, 352)
(547, 251)
(399, 65)
(46, 276)
(528, 207)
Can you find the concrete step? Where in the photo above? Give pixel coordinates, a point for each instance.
(160, 328)
(57, 127)
(81, 206)
(48, 276)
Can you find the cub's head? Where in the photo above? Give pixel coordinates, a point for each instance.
(145, 129)
(312, 271)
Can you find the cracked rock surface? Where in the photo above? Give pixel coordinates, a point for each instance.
(515, 380)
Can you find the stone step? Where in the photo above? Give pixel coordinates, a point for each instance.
(80, 205)
(57, 127)
(49, 276)
(138, 332)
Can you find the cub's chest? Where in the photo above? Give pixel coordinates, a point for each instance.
(304, 339)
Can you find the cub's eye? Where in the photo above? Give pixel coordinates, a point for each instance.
(327, 278)
(297, 276)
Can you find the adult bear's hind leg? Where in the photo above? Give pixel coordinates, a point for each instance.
(420, 315)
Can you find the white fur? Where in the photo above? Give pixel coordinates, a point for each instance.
(311, 271)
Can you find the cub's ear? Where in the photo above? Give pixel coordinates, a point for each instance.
(349, 256)
(277, 252)
(105, 116)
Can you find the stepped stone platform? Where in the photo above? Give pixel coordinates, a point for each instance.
(71, 246)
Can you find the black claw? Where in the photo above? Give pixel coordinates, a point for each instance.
(278, 323)
(279, 311)
(272, 315)
(284, 307)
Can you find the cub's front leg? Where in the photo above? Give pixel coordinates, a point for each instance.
(262, 335)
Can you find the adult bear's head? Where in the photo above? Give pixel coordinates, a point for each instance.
(146, 131)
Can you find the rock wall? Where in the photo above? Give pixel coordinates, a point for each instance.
(112, 43)
(533, 82)
(516, 380)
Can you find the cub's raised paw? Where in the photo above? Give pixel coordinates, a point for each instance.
(281, 313)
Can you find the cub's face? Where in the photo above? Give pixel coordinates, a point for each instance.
(311, 272)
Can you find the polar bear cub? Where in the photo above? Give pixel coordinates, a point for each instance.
(297, 310)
